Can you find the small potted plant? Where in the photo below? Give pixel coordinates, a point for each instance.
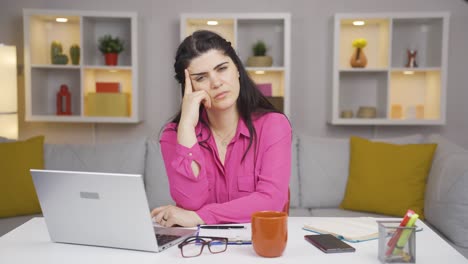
(111, 47)
(359, 59)
(259, 58)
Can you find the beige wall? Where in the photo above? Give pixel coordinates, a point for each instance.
(311, 63)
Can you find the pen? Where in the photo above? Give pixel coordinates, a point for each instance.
(221, 227)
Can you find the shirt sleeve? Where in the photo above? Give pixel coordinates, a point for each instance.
(187, 191)
(271, 192)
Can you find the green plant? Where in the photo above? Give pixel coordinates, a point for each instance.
(56, 55)
(108, 44)
(259, 48)
(75, 54)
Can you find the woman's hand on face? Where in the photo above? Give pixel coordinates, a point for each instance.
(191, 103)
(171, 215)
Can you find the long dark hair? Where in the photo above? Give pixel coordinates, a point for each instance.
(250, 103)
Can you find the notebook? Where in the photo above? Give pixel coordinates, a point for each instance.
(351, 229)
(101, 209)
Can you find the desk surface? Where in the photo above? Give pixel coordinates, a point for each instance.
(30, 243)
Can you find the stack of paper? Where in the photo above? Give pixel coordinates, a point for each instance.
(351, 229)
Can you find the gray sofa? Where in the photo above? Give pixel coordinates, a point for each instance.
(318, 180)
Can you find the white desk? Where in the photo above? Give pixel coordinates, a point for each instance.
(30, 244)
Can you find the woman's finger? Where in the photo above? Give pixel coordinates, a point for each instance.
(188, 83)
(157, 210)
(203, 98)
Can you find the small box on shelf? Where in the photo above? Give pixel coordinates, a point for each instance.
(108, 87)
(107, 104)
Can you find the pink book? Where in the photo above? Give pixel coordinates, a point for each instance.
(265, 89)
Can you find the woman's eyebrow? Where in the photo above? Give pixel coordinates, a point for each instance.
(203, 73)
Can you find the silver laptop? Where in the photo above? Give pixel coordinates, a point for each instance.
(101, 209)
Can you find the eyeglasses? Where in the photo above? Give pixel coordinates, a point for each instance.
(193, 246)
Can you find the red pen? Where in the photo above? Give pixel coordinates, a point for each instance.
(393, 241)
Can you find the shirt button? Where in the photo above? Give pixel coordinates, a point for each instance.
(190, 154)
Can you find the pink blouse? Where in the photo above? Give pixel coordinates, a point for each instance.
(231, 193)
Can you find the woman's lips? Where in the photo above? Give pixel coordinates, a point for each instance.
(221, 95)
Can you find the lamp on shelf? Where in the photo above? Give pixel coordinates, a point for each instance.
(8, 97)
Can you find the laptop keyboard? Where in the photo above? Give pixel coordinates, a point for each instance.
(164, 239)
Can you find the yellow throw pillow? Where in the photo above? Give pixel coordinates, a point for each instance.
(387, 178)
(17, 192)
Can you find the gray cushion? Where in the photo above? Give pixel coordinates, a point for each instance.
(156, 182)
(324, 164)
(117, 158)
(299, 212)
(446, 199)
(336, 212)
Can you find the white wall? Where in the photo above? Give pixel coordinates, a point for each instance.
(311, 62)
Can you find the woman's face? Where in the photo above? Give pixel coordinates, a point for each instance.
(216, 74)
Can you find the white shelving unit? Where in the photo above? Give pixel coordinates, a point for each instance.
(43, 79)
(243, 30)
(401, 95)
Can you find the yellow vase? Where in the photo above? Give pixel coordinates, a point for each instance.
(358, 59)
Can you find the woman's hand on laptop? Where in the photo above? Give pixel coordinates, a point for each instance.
(170, 215)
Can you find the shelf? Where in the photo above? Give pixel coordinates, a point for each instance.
(55, 66)
(421, 34)
(275, 78)
(421, 89)
(108, 68)
(43, 29)
(364, 70)
(360, 89)
(384, 122)
(375, 31)
(46, 84)
(270, 31)
(245, 29)
(84, 28)
(96, 27)
(225, 27)
(401, 93)
(80, 119)
(416, 69)
(266, 69)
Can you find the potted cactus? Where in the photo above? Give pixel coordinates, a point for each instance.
(259, 58)
(111, 47)
(75, 54)
(56, 55)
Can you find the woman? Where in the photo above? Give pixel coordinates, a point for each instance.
(228, 151)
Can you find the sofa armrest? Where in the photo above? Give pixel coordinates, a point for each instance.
(446, 200)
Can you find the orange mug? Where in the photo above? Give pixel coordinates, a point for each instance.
(269, 233)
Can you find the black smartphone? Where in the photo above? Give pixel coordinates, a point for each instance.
(329, 243)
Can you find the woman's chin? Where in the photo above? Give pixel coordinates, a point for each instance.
(222, 106)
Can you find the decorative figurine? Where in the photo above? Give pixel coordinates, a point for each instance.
(411, 58)
(64, 101)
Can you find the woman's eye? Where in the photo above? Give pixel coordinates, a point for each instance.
(199, 79)
(222, 68)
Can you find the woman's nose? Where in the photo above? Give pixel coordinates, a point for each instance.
(216, 82)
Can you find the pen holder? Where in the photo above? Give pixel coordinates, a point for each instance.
(396, 244)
